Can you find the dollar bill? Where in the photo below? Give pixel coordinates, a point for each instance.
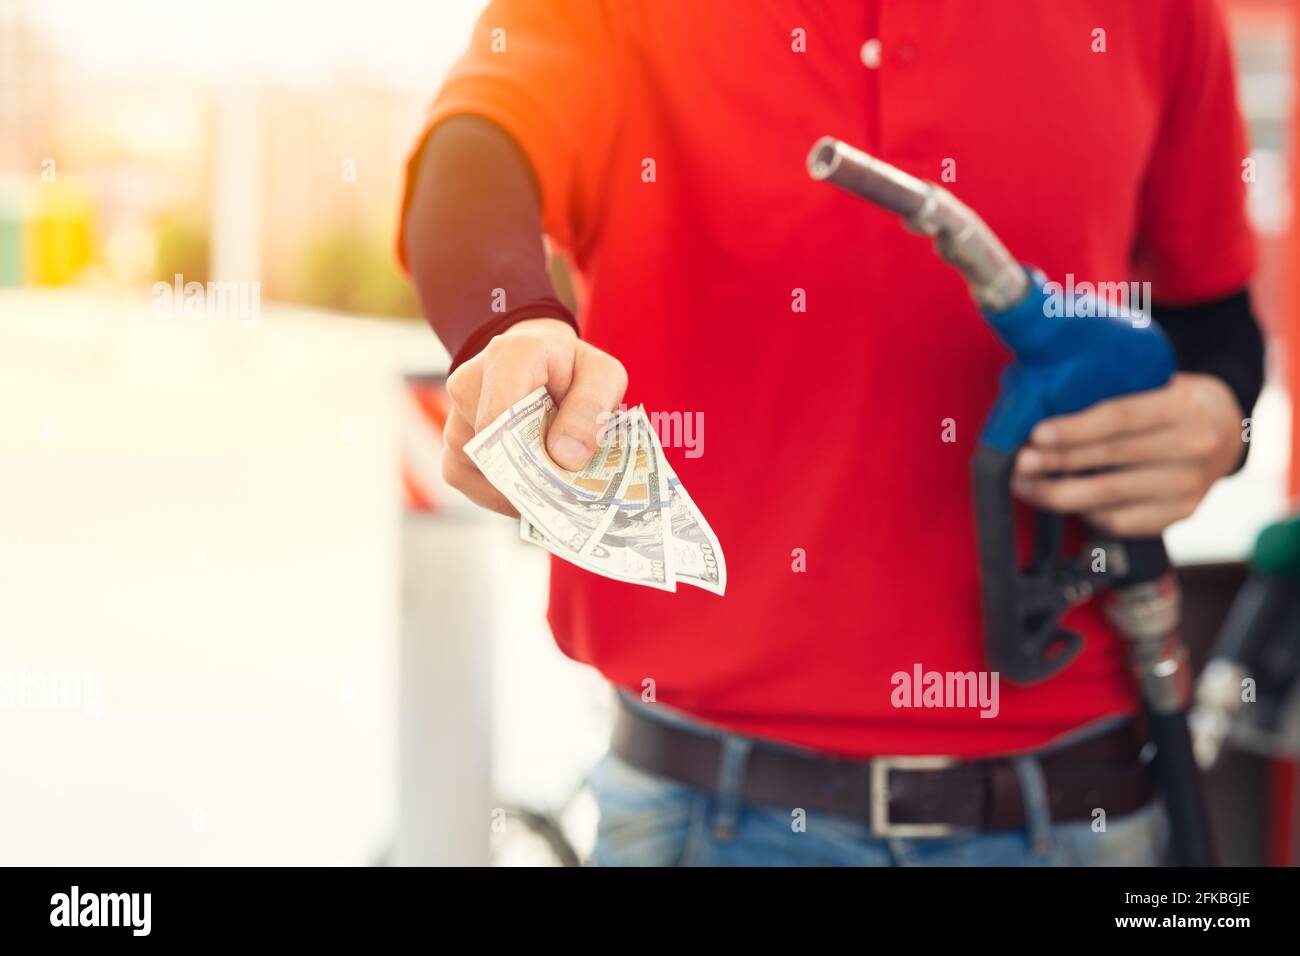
(573, 508)
(625, 515)
(696, 556)
(635, 547)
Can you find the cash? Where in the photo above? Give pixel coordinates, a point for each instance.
(625, 515)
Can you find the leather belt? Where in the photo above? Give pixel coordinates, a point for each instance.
(905, 796)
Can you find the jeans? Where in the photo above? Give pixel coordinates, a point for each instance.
(648, 820)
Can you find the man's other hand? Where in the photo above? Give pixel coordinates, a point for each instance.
(583, 381)
(1133, 466)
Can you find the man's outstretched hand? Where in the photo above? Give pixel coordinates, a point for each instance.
(584, 382)
(1160, 451)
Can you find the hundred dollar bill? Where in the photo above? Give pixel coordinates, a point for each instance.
(572, 508)
(696, 556)
(635, 547)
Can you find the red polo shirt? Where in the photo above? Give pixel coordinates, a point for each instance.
(669, 137)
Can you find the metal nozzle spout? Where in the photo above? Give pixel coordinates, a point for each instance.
(835, 161)
(824, 158)
(996, 280)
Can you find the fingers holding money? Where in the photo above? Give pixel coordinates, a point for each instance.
(461, 473)
(582, 380)
(516, 362)
(599, 382)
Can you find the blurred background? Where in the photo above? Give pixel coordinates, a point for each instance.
(211, 519)
(201, 515)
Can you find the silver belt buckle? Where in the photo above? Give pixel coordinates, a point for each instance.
(880, 822)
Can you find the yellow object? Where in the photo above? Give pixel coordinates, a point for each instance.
(58, 238)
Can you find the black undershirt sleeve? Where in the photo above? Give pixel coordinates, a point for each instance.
(473, 237)
(1219, 338)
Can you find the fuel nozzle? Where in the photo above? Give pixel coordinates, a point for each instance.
(1060, 367)
(996, 280)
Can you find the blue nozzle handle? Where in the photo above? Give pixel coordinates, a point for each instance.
(1067, 358)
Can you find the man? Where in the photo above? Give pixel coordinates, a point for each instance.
(844, 375)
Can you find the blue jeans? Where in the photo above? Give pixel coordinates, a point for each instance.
(648, 820)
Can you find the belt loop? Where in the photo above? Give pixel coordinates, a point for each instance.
(1038, 806)
(731, 785)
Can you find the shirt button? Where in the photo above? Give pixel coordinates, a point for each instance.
(871, 54)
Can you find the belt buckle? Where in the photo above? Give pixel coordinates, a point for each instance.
(881, 826)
